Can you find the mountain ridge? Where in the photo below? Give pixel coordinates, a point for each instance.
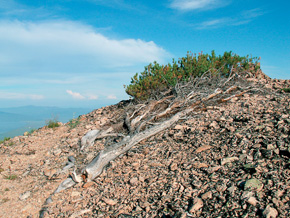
(227, 157)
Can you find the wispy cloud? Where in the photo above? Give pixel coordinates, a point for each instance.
(256, 12)
(243, 18)
(20, 96)
(120, 4)
(111, 97)
(75, 95)
(92, 97)
(188, 5)
(215, 23)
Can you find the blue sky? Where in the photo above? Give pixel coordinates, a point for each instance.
(80, 53)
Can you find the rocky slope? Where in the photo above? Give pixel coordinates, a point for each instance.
(230, 159)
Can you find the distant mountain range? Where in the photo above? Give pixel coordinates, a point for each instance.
(16, 120)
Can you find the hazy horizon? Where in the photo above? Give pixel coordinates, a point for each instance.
(17, 120)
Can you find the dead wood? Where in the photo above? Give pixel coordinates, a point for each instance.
(149, 109)
(89, 139)
(141, 118)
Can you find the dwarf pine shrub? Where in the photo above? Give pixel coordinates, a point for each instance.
(157, 78)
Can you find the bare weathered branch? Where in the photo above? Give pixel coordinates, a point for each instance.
(95, 168)
(233, 96)
(91, 136)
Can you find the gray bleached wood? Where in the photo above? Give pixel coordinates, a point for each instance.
(96, 166)
(69, 182)
(89, 138)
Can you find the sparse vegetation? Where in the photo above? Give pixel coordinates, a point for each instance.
(5, 140)
(4, 200)
(52, 123)
(11, 177)
(28, 133)
(74, 122)
(287, 90)
(31, 131)
(156, 78)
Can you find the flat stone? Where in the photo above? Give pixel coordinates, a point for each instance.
(27, 208)
(197, 204)
(49, 172)
(110, 202)
(249, 168)
(207, 195)
(135, 165)
(25, 195)
(200, 165)
(75, 194)
(202, 148)
(88, 184)
(232, 189)
(270, 212)
(173, 167)
(253, 184)
(229, 160)
(221, 188)
(252, 200)
(57, 152)
(270, 147)
(48, 200)
(215, 125)
(180, 127)
(141, 178)
(134, 181)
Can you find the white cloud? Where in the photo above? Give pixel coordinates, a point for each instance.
(111, 97)
(92, 97)
(256, 12)
(75, 95)
(80, 96)
(71, 47)
(213, 23)
(19, 96)
(242, 18)
(185, 5)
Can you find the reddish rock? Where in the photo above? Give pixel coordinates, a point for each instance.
(202, 148)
